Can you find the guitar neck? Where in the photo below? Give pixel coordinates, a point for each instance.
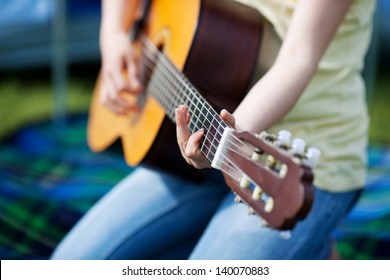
(170, 88)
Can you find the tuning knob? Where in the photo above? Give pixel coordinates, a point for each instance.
(262, 135)
(284, 138)
(269, 205)
(283, 170)
(244, 182)
(298, 146)
(271, 161)
(312, 156)
(257, 192)
(264, 224)
(256, 155)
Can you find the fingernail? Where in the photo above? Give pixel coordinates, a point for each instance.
(177, 111)
(135, 83)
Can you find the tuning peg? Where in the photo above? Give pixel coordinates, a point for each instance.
(251, 211)
(284, 138)
(269, 205)
(312, 156)
(257, 193)
(264, 223)
(298, 146)
(283, 170)
(262, 135)
(244, 182)
(270, 137)
(256, 155)
(237, 199)
(271, 161)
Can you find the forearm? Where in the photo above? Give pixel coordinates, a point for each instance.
(274, 95)
(117, 16)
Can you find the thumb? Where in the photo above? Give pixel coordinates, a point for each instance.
(228, 118)
(134, 82)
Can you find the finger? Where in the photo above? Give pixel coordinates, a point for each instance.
(193, 144)
(111, 99)
(115, 100)
(193, 151)
(228, 118)
(134, 82)
(108, 104)
(119, 81)
(200, 164)
(123, 104)
(185, 113)
(182, 131)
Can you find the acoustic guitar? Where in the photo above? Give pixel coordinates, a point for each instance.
(202, 53)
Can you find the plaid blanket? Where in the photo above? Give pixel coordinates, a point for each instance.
(365, 233)
(49, 178)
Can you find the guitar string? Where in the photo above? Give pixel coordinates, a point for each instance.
(232, 149)
(235, 167)
(171, 87)
(211, 142)
(231, 170)
(225, 167)
(157, 68)
(182, 81)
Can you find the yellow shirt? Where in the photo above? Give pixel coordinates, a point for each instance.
(331, 114)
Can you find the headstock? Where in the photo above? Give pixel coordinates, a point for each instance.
(271, 175)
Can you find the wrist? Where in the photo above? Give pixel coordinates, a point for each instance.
(110, 37)
(107, 32)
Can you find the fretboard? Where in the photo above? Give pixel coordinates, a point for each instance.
(171, 88)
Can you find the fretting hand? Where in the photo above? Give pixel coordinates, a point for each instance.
(190, 144)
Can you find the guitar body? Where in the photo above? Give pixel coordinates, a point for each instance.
(215, 43)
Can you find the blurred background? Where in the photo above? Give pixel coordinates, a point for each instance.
(49, 61)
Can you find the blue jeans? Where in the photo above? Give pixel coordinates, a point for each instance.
(155, 215)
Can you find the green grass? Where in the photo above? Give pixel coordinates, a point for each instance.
(28, 98)
(379, 109)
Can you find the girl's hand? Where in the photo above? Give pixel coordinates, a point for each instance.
(118, 57)
(190, 144)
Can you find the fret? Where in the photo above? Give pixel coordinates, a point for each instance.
(192, 127)
(162, 85)
(197, 118)
(178, 95)
(207, 120)
(185, 97)
(213, 136)
(170, 89)
(192, 105)
(207, 145)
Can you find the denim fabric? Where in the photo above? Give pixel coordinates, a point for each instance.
(233, 234)
(155, 215)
